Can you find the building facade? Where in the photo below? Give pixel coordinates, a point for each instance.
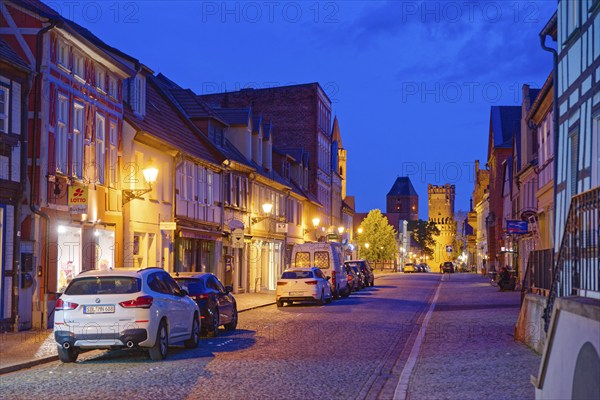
(402, 199)
(14, 84)
(301, 116)
(505, 121)
(441, 212)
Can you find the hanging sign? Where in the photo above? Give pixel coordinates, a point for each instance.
(78, 200)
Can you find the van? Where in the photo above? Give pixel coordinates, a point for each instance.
(327, 257)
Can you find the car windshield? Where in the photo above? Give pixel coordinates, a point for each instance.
(355, 269)
(191, 285)
(104, 285)
(297, 275)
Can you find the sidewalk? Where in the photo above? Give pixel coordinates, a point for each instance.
(468, 351)
(19, 350)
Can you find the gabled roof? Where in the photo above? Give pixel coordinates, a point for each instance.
(8, 55)
(267, 130)
(43, 10)
(163, 121)
(402, 187)
(256, 123)
(189, 103)
(235, 116)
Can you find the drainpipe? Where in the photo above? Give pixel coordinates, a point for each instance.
(36, 109)
(543, 36)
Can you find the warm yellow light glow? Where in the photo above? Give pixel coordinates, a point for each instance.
(267, 207)
(367, 245)
(341, 229)
(150, 173)
(360, 230)
(316, 221)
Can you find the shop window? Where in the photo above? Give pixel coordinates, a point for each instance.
(68, 256)
(105, 249)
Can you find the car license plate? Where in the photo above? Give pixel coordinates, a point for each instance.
(296, 293)
(98, 309)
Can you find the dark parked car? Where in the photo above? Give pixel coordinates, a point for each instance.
(353, 278)
(448, 267)
(365, 269)
(361, 276)
(217, 305)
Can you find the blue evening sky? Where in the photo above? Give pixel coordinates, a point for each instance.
(411, 82)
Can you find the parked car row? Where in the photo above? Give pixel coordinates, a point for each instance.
(410, 268)
(319, 274)
(147, 308)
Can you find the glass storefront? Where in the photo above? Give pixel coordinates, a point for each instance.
(105, 249)
(68, 255)
(194, 255)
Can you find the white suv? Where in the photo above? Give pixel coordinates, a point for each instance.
(123, 308)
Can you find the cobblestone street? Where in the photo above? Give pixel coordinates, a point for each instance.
(353, 348)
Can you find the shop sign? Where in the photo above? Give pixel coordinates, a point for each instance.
(168, 226)
(237, 239)
(281, 227)
(78, 200)
(516, 227)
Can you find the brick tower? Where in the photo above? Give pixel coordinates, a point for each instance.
(441, 212)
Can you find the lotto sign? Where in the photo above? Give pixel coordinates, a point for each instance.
(78, 200)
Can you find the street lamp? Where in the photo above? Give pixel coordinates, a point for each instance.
(267, 208)
(150, 175)
(316, 221)
(360, 230)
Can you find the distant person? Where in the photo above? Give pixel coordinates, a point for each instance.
(504, 279)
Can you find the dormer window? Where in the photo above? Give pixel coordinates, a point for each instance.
(138, 95)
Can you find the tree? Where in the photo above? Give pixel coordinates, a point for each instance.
(378, 238)
(423, 233)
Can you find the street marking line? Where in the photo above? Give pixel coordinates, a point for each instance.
(402, 387)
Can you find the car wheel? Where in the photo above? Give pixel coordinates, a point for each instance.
(215, 322)
(234, 320)
(330, 299)
(158, 352)
(67, 355)
(346, 292)
(321, 300)
(194, 339)
(279, 303)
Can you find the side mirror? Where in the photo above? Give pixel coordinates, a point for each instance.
(328, 278)
(228, 289)
(183, 293)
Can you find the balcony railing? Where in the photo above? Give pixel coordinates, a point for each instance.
(538, 275)
(577, 268)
